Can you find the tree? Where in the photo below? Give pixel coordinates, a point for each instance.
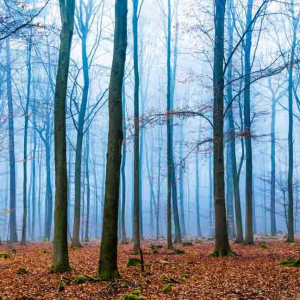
(12, 164)
(222, 247)
(60, 241)
(85, 17)
(231, 151)
(26, 117)
(295, 22)
(136, 218)
(108, 251)
(247, 129)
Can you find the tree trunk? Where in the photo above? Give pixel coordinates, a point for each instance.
(136, 217)
(12, 164)
(88, 188)
(198, 196)
(222, 247)
(273, 168)
(181, 185)
(108, 253)
(26, 116)
(290, 134)
(123, 221)
(247, 130)
(60, 241)
(231, 152)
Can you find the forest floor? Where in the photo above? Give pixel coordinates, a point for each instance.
(254, 273)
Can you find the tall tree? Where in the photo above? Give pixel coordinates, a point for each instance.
(136, 217)
(85, 16)
(273, 161)
(222, 247)
(247, 127)
(26, 117)
(295, 22)
(12, 163)
(108, 252)
(232, 176)
(60, 241)
(123, 221)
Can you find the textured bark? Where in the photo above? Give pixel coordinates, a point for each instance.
(108, 252)
(60, 241)
(136, 217)
(221, 238)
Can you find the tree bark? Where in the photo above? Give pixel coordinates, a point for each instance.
(136, 217)
(222, 247)
(60, 241)
(108, 268)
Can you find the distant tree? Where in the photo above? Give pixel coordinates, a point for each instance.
(12, 163)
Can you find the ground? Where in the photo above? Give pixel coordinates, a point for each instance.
(253, 274)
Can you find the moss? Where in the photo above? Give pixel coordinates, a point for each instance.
(223, 253)
(166, 288)
(178, 251)
(22, 271)
(131, 297)
(290, 262)
(198, 241)
(263, 245)
(108, 274)
(133, 262)
(137, 292)
(187, 244)
(61, 286)
(5, 255)
(80, 279)
(44, 251)
(185, 276)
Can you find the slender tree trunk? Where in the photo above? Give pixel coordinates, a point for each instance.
(247, 129)
(33, 170)
(12, 164)
(49, 201)
(229, 194)
(79, 142)
(234, 179)
(26, 115)
(108, 253)
(273, 168)
(211, 198)
(222, 247)
(88, 188)
(136, 218)
(290, 133)
(198, 196)
(60, 257)
(160, 142)
(123, 221)
(181, 183)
